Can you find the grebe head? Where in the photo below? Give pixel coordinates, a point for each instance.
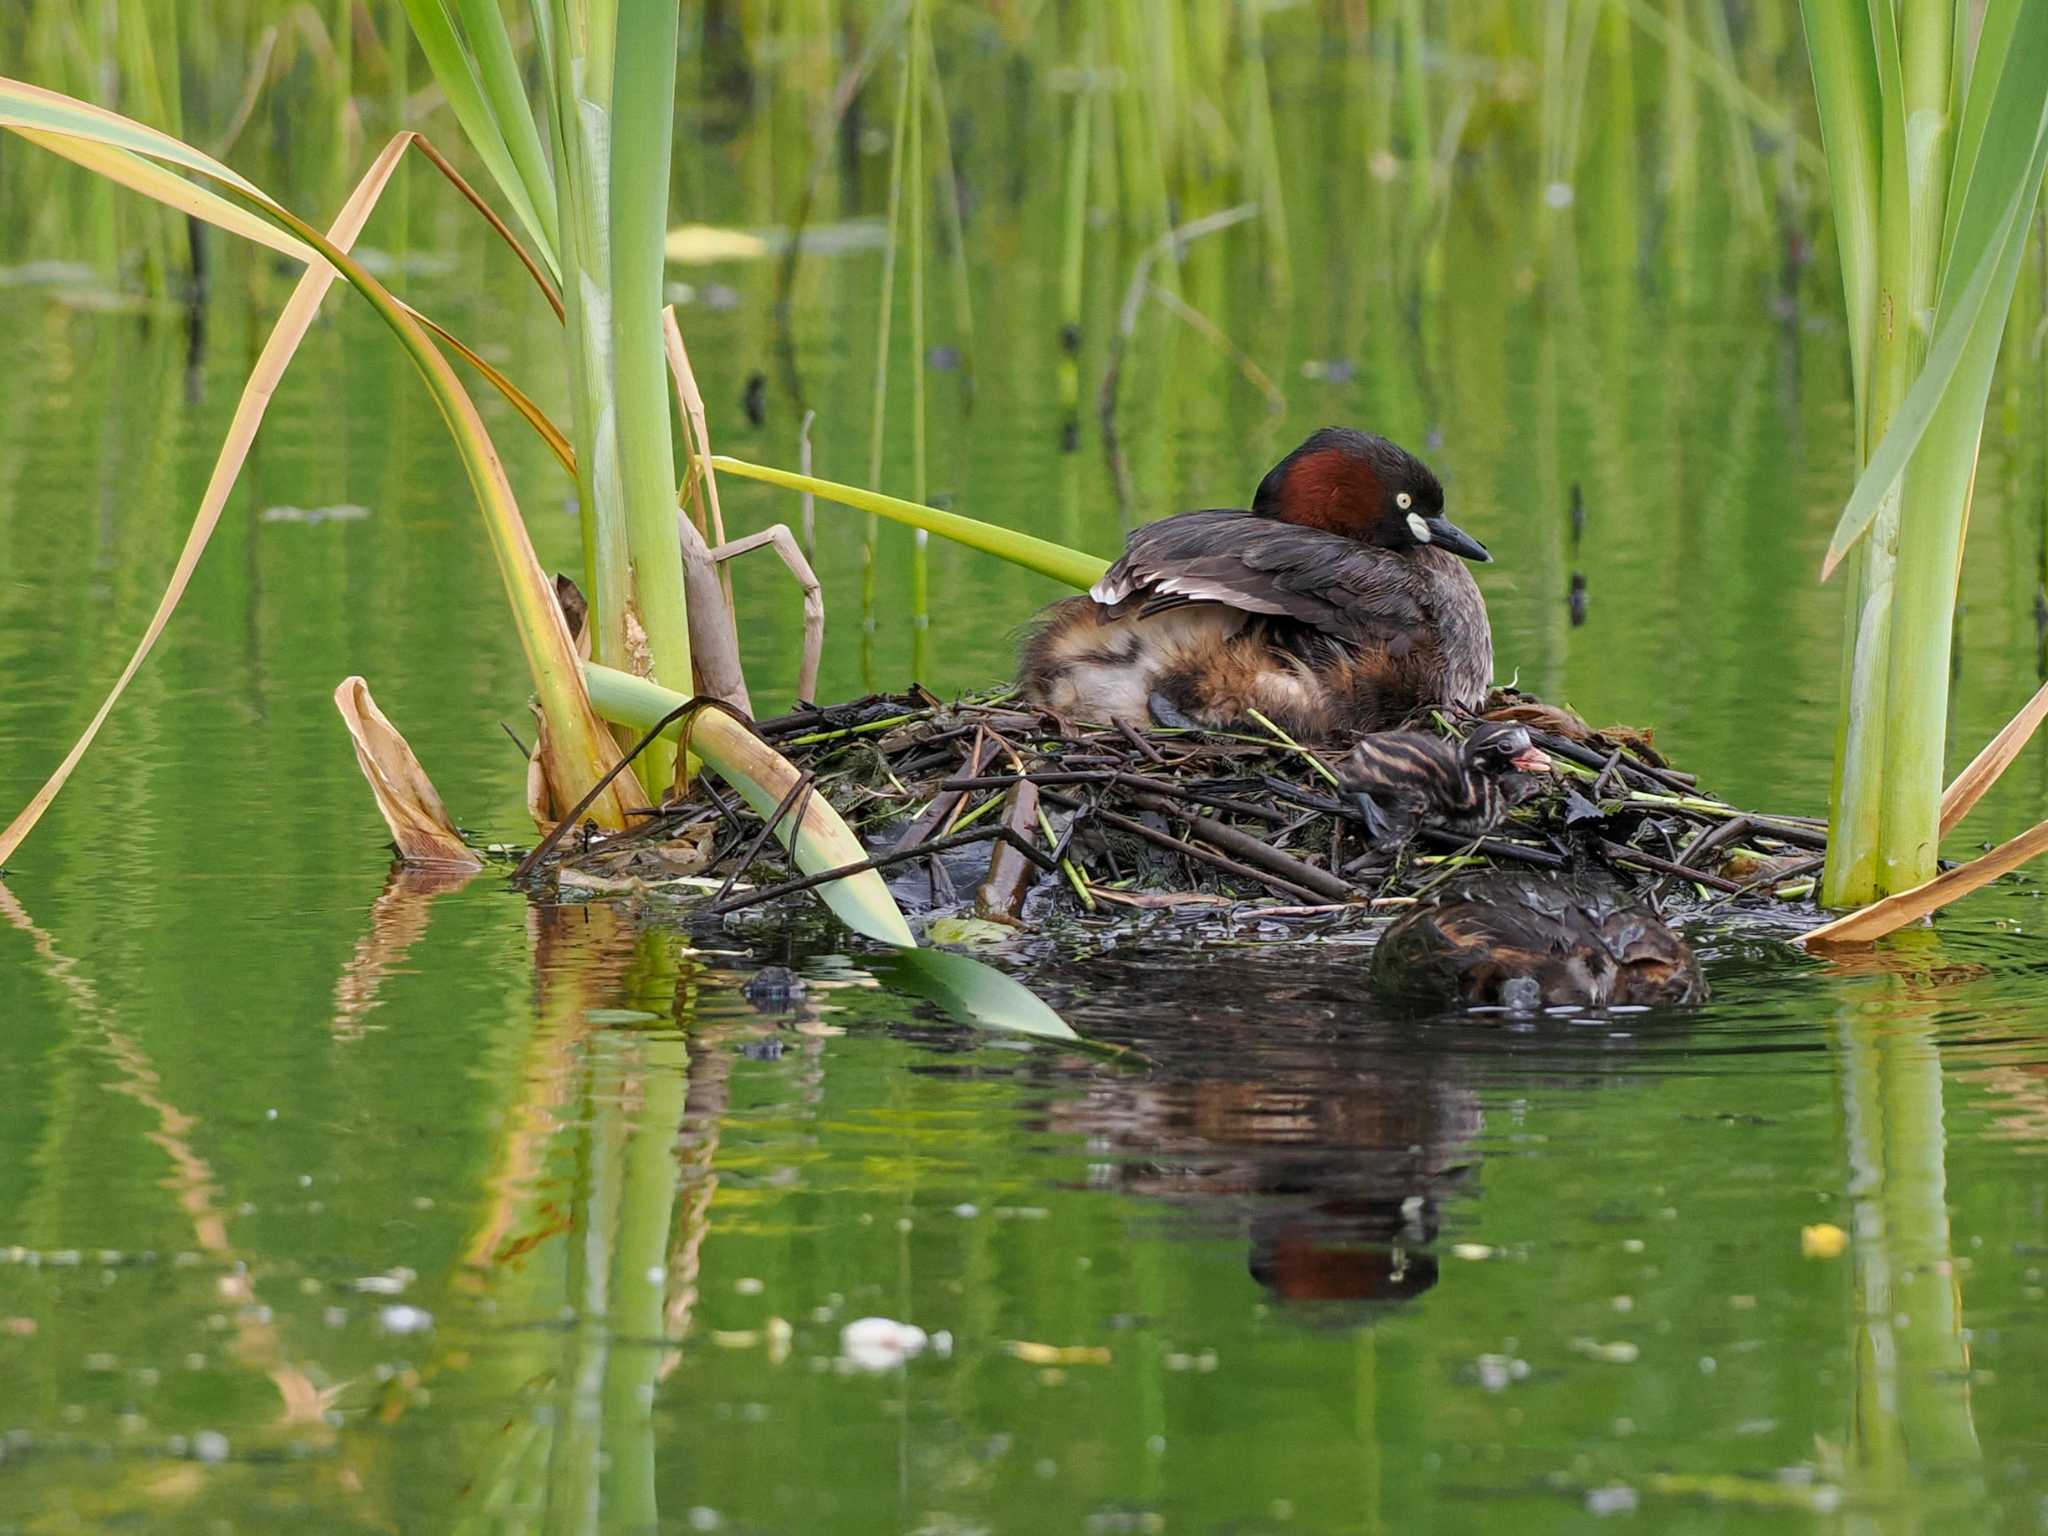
(1495, 747)
(1365, 488)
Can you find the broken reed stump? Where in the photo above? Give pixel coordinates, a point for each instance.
(990, 807)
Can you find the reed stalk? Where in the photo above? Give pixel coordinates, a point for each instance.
(947, 172)
(1264, 181)
(1412, 30)
(1074, 229)
(575, 749)
(642, 131)
(583, 192)
(884, 331)
(1937, 160)
(1681, 155)
(1911, 1413)
(920, 553)
(637, 1331)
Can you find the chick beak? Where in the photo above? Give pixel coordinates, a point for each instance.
(1445, 534)
(1532, 759)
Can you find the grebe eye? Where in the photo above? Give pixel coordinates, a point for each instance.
(1404, 501)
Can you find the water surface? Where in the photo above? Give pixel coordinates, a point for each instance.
(362, 1204)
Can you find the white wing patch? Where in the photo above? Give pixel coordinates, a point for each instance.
(1115, 587)
(1109, 592)
(1201, 590)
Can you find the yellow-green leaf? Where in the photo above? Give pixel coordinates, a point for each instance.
(1075, 567)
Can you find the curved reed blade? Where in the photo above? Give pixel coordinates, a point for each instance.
(475, 199)
(584, 748)
(30, 106)
(1969, 785)
(1072, 566)
(271, 363)
(167, 187)
(1868, 924)
(764, 778)
(543, 426)
(975, 993)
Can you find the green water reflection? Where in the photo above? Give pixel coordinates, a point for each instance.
(382, 1204)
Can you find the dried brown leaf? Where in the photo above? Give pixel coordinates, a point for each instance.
(1895, 912)
(543, 803)
(575, 613)
(1997, 756)
(405, 796)
(1149, 900)
(714, 639)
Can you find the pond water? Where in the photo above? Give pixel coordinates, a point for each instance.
(357, 1204)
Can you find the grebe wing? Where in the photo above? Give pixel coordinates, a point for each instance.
(1319, 579)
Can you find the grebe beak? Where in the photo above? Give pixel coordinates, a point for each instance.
(1445, 534)
(1532, 760)
(1376, 824)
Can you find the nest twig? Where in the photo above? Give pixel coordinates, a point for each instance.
(1064, 816)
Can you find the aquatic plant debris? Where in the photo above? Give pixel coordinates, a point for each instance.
(880, 1343)
(1823, 1240)
(1207, 825)
(1032, 1353)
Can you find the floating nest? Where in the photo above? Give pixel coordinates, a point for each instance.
(990, 808)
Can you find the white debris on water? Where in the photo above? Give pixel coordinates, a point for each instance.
(1620, 1352)
(391, 1283)
(880, 1343)
(405, 1319)
(210, 1445)
(1495, 1372)
(343, 512)
(1615, 1500)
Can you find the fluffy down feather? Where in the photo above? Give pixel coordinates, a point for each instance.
(1221, 612)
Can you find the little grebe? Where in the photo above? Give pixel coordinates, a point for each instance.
(1337, 605)
(1399, 779)
(1522, 942)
